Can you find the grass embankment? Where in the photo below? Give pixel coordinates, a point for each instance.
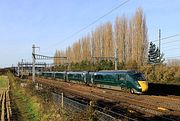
(3, 82)
(27, 107)
(37, 105)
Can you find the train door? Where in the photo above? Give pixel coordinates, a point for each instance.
(65, 76)
(92, 79)
(121, 80)
(84, 74)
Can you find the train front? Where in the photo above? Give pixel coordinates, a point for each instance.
(142, 84)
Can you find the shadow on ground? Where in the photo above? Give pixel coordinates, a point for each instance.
(163, 89)
(123, 113)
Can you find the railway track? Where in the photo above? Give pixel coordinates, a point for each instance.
(5, 102)
(147, 104)
(132, 103)
(77, 105)
(135, 105)
(5, 106)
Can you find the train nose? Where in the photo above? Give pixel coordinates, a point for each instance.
(144, 85)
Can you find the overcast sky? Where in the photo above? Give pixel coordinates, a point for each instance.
(47, 23)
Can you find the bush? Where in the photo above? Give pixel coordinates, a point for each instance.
(132, 65)
(161, 73)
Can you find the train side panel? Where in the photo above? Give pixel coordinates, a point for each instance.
(107, 79)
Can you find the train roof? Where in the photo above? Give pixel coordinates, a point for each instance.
(48, 72)
(59, 72)
(91, 72)
(117, 71)
(76, 72)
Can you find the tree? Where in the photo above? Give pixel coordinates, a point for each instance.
(120, 33)
(139, 37)
(154, 56)
(96, 41)
(86, 51)
(129, 36)
(77, 51)
(107, 44)
(57, 60)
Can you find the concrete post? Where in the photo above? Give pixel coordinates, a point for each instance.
(62, 100)
(116, 59)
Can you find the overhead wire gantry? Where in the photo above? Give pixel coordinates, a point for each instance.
(40, 57)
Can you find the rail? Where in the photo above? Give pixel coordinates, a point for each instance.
(6, 112)
(101, 116)
(136, 106)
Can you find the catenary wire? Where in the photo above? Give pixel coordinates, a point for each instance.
(171, 36)
(171, 41)
(93, 22)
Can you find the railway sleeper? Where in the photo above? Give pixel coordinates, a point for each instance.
(143, 109)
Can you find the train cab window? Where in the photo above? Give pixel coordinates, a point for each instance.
(139, 76)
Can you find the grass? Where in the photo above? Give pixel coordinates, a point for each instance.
(3, 82)
(27, 106)
(37, 105)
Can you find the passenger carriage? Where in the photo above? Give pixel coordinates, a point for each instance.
(126, 79)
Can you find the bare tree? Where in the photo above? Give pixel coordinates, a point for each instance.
(108, 40)
(121, 30)
(86, 52)
(139, 37)
(77, 52)
(129, 36)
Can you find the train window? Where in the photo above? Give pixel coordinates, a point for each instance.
(121, 77)
(101, 77)
(98, 77)
(77, 76)
(139, 76)
(108, 77)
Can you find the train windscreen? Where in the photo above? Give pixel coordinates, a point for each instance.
(139, 76)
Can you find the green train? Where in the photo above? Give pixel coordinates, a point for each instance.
(121, 79)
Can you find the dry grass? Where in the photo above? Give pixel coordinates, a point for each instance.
(162, 73)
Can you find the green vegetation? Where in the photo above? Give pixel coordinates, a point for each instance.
(162, 73)
(37, 105)
(3, 82)
(27, 106)
(87, 65)
(154, 56)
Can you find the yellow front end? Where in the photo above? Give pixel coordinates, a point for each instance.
(144, 85)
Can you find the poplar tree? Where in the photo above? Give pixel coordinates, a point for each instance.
(129, 36)
(107, 40)
(139, 37)
(120, 31)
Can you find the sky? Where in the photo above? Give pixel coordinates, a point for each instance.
(47, 24)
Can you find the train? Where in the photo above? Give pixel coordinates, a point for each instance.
(131, 80)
